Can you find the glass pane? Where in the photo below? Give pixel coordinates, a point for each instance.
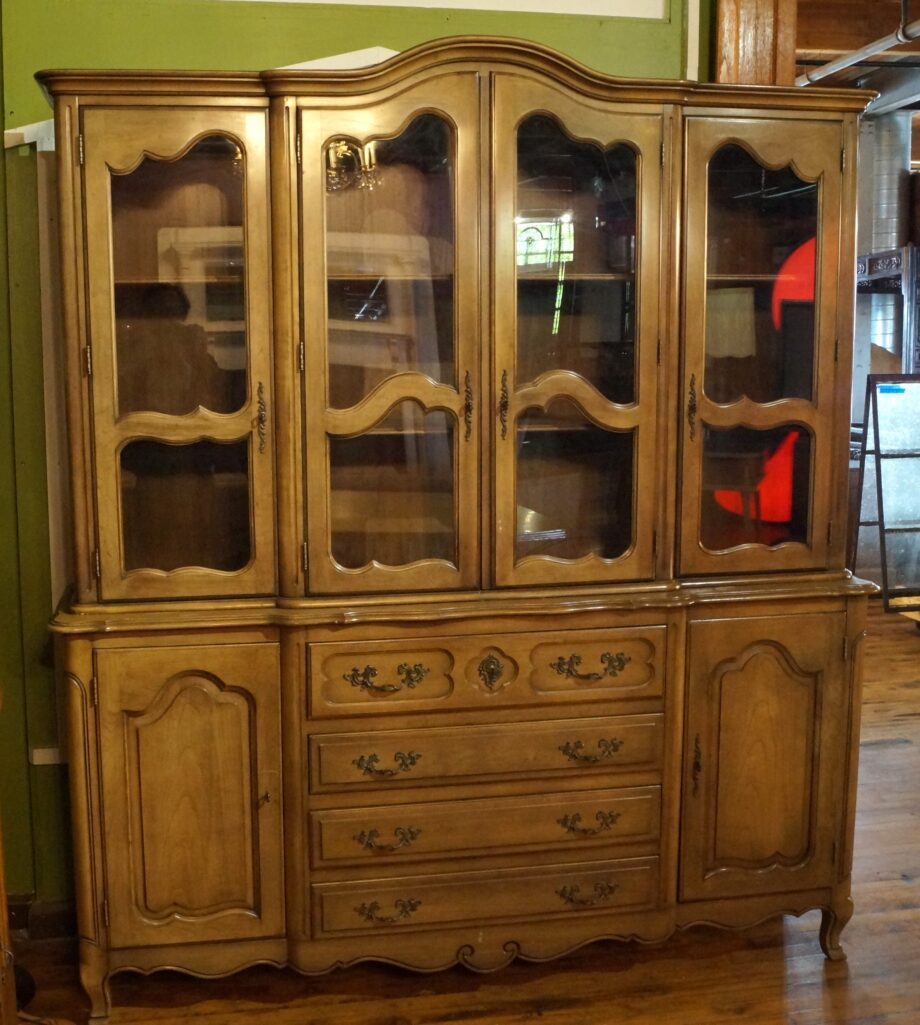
(392, 492)
(760, 287)
(390, 259)
(186, 505)
(178, 255)
(756, 486)
(574, 485)
(902, 564)
(575, 222)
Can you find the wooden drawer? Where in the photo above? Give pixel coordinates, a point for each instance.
(478, 827)
(455, 754)
(598, 887)
(367, 677)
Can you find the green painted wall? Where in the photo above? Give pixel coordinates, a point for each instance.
(252, 36)
(200, 34)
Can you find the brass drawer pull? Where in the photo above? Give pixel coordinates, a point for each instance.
(697, 768)
(692, 408)
(614, 664)
(405, 907)
(404, 762)
(605, 819)
(602, 893)
(261, 415)
(574, 750)
(468, 406)
(503, 405)
(364, 678)
(405, 837)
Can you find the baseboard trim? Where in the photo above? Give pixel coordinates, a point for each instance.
(42, 920)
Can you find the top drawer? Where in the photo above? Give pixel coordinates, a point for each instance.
(367, 677)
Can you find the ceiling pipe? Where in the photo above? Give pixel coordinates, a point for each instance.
(905, 33)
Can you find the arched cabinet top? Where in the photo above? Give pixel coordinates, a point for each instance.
(435, 57)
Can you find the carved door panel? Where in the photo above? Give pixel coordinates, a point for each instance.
(578, 188)
(763, 313)
(762, 760)
(190, 749)
(178, 358)
(391, 294)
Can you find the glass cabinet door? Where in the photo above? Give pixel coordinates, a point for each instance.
(178, 350)
(761, 264)
(391, 294)
(577, 215)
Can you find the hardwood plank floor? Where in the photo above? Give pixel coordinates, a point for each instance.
(772, 975)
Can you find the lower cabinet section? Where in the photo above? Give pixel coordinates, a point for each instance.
(219, 821)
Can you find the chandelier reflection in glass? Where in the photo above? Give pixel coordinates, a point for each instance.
(349, 164)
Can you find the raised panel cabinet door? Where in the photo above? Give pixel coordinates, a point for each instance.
(191, 798)
(764, 755)
(391, 298)
(763, 310)
(577, 223)
(179, 350)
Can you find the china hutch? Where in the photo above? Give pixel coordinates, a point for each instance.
(459, 454)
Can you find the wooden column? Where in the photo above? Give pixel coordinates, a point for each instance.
(755, 41)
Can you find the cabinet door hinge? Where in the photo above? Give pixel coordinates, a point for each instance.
(843, 159)
(81, 152)
(97, 564)
(304, 556)
(105, 913)
(298, 148)
(88, 360)
(846, 648)
(94, 691)
(301, 355)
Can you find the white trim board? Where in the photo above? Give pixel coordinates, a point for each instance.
(650, 10)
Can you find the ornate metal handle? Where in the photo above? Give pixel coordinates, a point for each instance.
(404, 762)
(503, 405)
(490, 671)
(613, 666)
(697, 768)
(468, 406)
(405, 837)
(602, 893)
(691, 408)
(261, 415)
(575, 750)
(606, 820)
(405, 907)
(364, 678)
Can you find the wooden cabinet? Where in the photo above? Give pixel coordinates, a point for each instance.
(764, 734)
(190, 774)
(473, 466)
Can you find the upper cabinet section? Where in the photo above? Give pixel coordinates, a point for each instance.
(577, 214)
(178, 350)
(762, 262)
(475, 317)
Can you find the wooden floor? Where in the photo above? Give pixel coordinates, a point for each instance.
(773, 975)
